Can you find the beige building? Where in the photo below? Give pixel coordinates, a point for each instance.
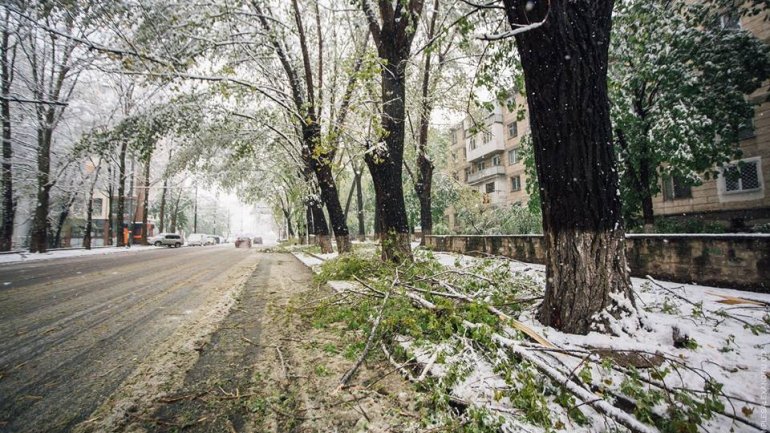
(486, 155)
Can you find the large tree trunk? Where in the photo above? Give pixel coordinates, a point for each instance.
(393, 34)
(9, 205)
(146, 203)
(119, 214)
(39, 235)
(386, 168)
(565, 71)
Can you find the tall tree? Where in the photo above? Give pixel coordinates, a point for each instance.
(7, 61)
(53, 51)
(393, 31)
(563, 47)
(307, 104)
(678, 87)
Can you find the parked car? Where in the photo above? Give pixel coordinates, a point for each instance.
(211, 240)
(257, 240)
(167, 239)
(196, 240)
(243, 242)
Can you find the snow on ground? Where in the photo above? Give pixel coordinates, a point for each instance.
(732, 344)
(26, 256)
(727, 333)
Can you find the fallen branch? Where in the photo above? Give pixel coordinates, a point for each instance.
(349, 374)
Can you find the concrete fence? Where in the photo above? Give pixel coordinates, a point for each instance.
(724, 260)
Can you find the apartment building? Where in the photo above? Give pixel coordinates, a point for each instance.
(486, 155)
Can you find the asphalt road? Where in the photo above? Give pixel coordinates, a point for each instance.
(71, 330)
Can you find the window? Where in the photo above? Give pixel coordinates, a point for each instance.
(513, 129)
(489, 188)
(481, 165)
(453, 136)
(467, 173)
(97, 206)
(513, 156)
(516, 183)
(675, 188)
(465, 154)
(473, 142)
(454, 156)
(496, 160)
(487, 136)
(743, 176)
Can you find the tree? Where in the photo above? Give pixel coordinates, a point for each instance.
(393, 32)
(7, 63)
(678, 88)
(307, 99)
(563, 47)
(53, 51)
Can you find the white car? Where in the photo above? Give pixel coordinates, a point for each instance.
(196, 240)
(167, 239)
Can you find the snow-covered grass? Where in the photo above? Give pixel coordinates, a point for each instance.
(26, 256)
(715, 377)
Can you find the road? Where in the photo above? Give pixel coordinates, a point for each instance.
(73, 329)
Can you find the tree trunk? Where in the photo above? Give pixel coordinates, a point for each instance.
(386, 169)
(119, 214)
(146, 203)
(174, 214)
(90, 210)
(360, 209)
(108, 229)
(565, 71)
(645, 180)
(162, 221)
(424, 184)
(320, 226)
(63, 215)
(39, 235)
(393, 35)
(9, 205)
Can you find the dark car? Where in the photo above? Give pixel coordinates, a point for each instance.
(243, 242)
(257, 240)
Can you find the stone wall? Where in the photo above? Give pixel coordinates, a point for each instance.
(730, 260)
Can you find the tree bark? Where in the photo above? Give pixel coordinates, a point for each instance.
(565, 71)
(119, 214)
(9, 205)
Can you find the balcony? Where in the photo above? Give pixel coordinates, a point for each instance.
(495, 144)
(487, 173)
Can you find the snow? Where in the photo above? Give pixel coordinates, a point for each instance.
(728, 351)
(26, 256)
